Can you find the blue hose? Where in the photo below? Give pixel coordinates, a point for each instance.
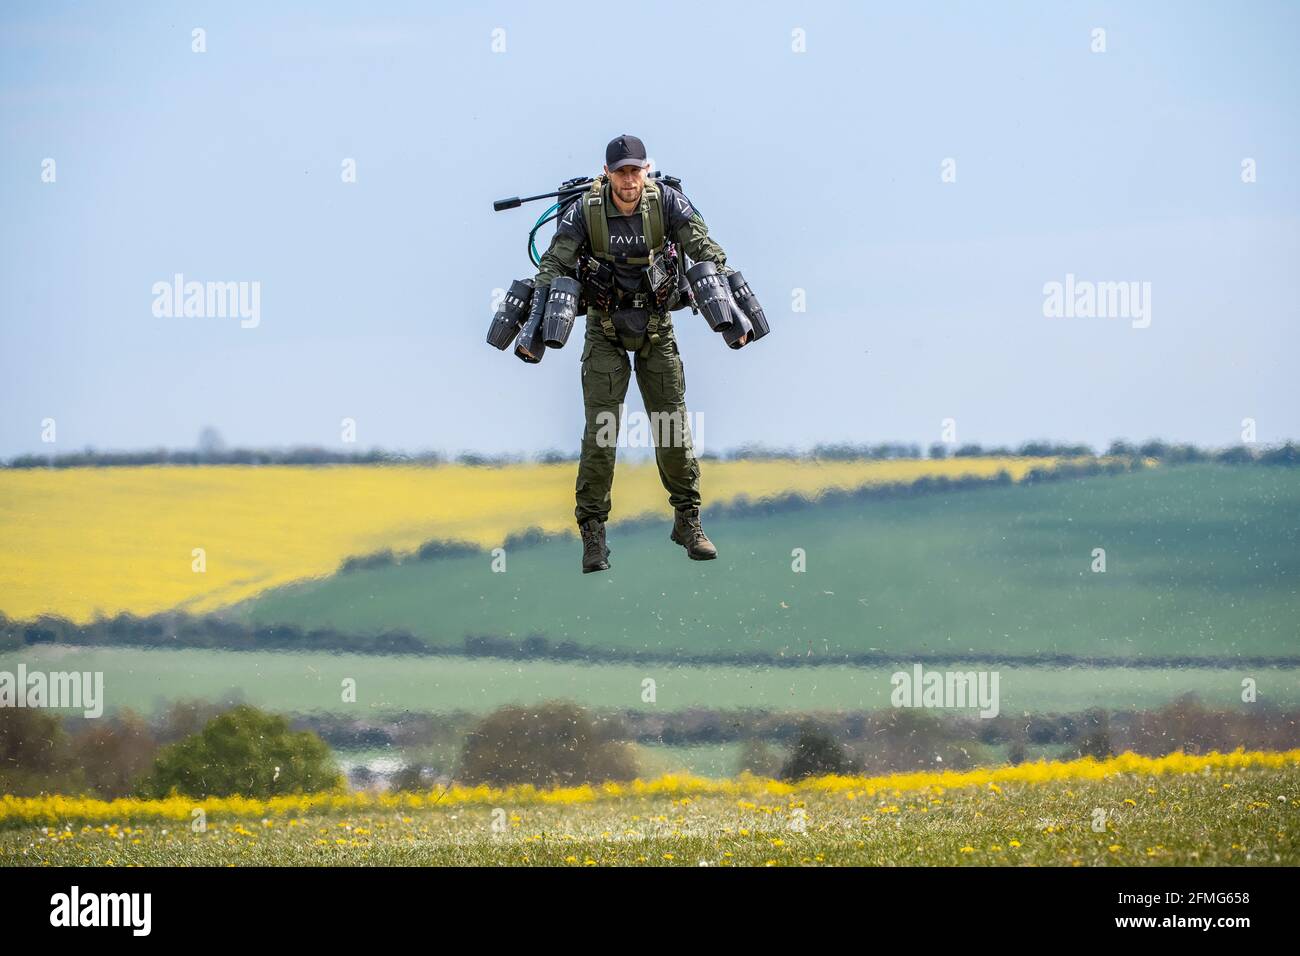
(532, 246)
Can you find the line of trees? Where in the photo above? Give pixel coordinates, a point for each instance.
(1169, 452)
(199, 749)
(176, 629)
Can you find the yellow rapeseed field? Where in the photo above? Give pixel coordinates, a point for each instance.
(56, 810)
(81, 542)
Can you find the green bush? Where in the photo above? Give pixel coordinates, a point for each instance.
(35, 754)
(244, 752)
(552, 744)
(815, 753)
(903, 738)
(1095, 739)
(114, 753)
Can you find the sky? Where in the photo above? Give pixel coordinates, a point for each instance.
(900, 183)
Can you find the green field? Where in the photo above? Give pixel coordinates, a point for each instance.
(1202, 564)
(1202, 560)
(1244, 817)
(311, 682)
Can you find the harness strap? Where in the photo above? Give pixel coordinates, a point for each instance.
(593, 210)
(651, 336)
(652, 222)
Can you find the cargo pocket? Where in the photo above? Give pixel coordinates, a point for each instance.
(582, 365)
(681, 371)
(605, 373)
(665, 364)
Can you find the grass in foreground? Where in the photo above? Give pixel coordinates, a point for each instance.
(1220, 809)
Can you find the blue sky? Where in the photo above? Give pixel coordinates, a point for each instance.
(817, 171)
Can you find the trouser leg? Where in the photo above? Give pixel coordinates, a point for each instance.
(661, 377)
(606, 372)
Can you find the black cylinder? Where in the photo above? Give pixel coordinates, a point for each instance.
(748, 302)
(529, 347)
(561, 307)
(511, 314)
(712, 295)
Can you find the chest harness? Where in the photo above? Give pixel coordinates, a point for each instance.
(659, 267)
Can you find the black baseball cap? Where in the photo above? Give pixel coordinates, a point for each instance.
(625, 150)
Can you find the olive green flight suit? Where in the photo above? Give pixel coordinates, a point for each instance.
(661, 378)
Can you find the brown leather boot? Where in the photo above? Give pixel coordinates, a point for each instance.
(688, 533)
(594, 550)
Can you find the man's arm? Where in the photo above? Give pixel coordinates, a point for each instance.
(561, 259)
(688, 228)
(692, 234)
(694, 238)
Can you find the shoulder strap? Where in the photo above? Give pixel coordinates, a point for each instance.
(593, 210)
(652, 221)
(653, 225)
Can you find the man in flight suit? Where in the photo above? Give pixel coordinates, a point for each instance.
(633, 323)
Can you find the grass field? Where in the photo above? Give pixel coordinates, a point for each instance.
(1200, 561)
(80, 541)
(1218, 810)
(304, 683)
